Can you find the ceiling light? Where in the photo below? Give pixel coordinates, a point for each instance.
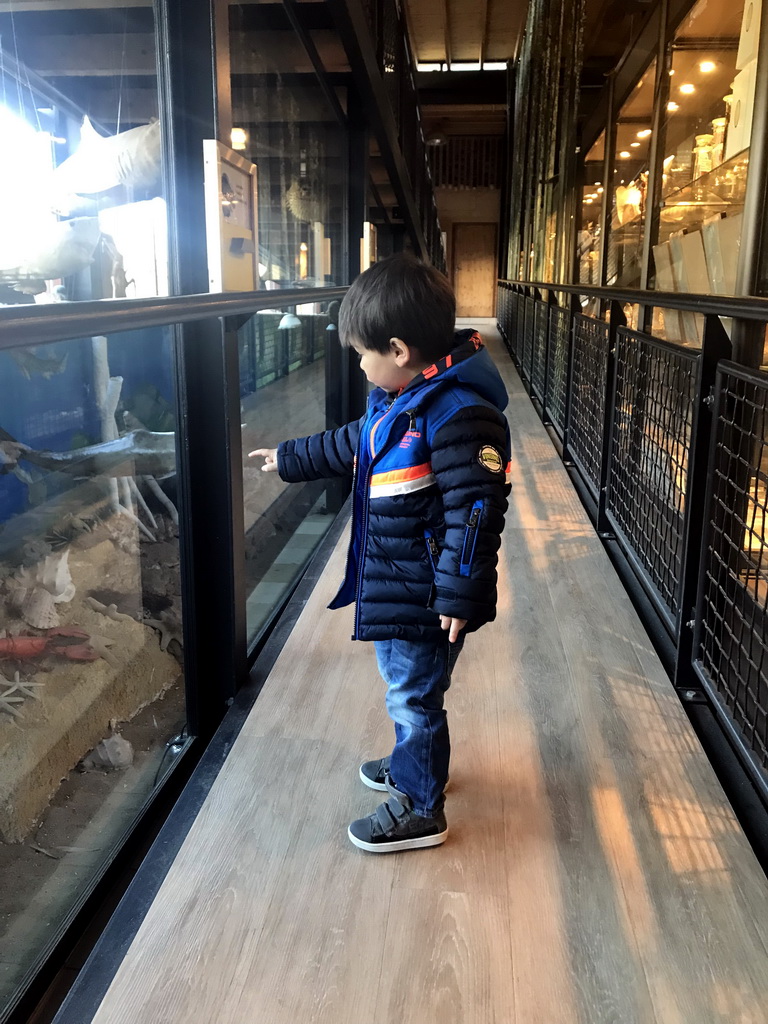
(598, 183)
(592, 195)
(644, 133)
(634, 145)
(600, 191)
(671, 71)
(706, 66)
(687, 88)
(624, 154)
(495, 65)
(288, 322)
(436, 138)
(429, 67)
(239, 138)
(588, 202)
(672, 106)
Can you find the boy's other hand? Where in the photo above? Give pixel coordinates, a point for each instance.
(270, 458)
(454, 626)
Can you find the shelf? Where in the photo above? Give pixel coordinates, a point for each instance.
(724, 185)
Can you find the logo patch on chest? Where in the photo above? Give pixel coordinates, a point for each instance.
(490, 459)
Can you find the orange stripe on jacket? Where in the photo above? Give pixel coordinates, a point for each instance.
(397, 476)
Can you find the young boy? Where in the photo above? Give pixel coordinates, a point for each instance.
(430, 465)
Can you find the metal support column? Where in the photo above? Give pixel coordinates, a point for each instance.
(193, 89)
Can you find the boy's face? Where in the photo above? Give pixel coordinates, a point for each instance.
(391, 371)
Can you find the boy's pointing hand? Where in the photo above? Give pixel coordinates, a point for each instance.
(455, 626)
(270, 458)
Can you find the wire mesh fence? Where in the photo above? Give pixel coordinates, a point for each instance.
(731, 638)
(555, 403)
(540, 335)
(656, 386)
(589, 387)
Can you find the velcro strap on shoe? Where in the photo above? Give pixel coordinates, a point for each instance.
(388, 816)
(402, 798)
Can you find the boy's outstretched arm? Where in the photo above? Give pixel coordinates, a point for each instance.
(315, 457)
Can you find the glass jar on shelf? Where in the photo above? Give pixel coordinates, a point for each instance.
(718, 140)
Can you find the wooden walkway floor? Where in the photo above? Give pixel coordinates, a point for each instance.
(594, 874)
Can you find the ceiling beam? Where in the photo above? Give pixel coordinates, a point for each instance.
(447, 27)
(483, 31)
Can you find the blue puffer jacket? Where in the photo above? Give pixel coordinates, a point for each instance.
(430, 493)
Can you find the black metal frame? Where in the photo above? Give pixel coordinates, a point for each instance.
(646, 440)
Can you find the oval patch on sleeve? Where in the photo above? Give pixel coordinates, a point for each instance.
(490, 459)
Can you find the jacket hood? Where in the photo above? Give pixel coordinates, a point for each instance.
(468, 363)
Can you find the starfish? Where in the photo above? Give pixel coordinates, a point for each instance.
(7, 703)
(24, 688)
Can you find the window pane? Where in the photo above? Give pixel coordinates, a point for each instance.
(290, 362)
(630, 185)
(706, 138)
(81, 213)
(92, 704)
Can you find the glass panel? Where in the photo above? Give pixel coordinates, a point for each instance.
(283, 395)
(288, 387)
(92, 704)
(287, 128)
(706, 138)
(81, 213)
(591, 207)
(630, 185)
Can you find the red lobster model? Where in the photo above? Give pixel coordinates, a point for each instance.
(65, 642)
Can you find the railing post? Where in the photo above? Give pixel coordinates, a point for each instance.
(616, 319)
(716, 345)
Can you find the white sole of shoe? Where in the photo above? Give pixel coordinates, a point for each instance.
(371, 784)
(400, 844)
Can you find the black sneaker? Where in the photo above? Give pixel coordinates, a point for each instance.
(393, 826)
(374, 773)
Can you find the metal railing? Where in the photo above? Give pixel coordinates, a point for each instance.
(668, 445)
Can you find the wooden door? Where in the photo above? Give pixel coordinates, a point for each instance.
(474, 269)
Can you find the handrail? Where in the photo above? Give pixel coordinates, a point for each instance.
(747, 307)
(62, 321)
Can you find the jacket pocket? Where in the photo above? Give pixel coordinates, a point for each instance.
(433, 552)
(470, 538)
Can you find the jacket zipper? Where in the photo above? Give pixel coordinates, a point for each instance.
(432, 549)
(470, 539)
(364, 531)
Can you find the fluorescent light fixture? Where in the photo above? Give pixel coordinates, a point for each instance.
(495, 65)
(465, 66)
(706, 66)
(645, 133)
(429, 67)
(687, 88)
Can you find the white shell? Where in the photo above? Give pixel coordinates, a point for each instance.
(39, 609)
(55, 576)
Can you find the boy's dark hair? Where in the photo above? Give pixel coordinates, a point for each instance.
(400, 297)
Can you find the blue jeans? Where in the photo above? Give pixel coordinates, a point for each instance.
(417, 676)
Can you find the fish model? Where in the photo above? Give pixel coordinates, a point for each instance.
(32, 365)
(62, 248)
(100, 163)
(139, 453)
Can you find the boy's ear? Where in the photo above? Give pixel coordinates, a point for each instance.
(400, 351)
